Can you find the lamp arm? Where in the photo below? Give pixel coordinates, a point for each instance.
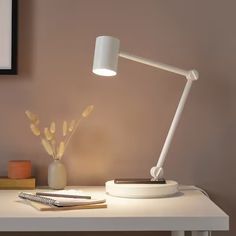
(157, 171)
(191, 75)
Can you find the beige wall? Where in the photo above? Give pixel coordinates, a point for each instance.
(125, 134)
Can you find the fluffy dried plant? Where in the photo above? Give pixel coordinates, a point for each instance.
(48, 137)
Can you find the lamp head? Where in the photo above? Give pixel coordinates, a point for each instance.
(106, 56)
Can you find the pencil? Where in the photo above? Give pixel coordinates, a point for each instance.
(62, 195)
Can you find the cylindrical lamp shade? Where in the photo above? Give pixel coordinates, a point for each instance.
(106, 56)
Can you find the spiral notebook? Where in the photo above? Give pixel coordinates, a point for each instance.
(60, 201)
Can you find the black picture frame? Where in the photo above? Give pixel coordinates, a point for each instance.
(12, 70)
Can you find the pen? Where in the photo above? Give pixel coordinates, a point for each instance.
(62, 195)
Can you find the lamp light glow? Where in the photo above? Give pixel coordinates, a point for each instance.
(104, 72)
(106, 56)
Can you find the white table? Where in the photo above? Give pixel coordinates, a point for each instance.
(190, 210)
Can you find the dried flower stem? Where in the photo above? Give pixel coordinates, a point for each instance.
(72, 133)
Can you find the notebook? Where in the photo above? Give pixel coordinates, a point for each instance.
(59, 201)
(42, 207)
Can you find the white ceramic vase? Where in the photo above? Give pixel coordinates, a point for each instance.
(57, 175)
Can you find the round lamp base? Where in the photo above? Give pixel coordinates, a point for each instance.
(142, 190)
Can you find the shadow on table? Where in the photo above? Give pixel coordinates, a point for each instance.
(109, 233)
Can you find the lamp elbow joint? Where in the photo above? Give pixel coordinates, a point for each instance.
(192, 75)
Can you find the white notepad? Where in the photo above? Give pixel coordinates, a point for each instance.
(59, 201)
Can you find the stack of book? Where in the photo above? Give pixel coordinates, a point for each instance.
(61, 200)
(19, 175)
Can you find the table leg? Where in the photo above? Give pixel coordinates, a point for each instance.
(200, 233)
(177, 233)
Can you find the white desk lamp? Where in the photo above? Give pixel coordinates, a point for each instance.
(105, 64)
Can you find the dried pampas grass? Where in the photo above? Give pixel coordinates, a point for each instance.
(60, 149)
(35, 130)
(53, 127)
(87, 111)
(47, 146)
(64, 128)
(48, 136)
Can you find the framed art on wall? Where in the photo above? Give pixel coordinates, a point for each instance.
(8, 37)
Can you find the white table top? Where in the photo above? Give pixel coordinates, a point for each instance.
(189, 210)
